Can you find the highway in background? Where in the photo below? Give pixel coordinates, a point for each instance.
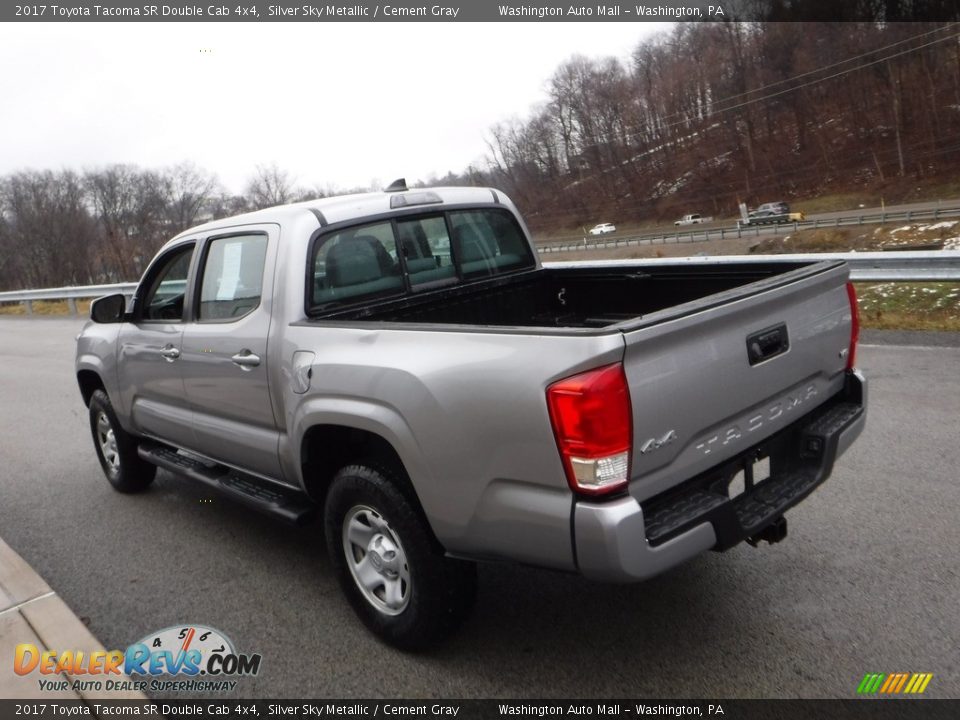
(867, 580)
(667, 233)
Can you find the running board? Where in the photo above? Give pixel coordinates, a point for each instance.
(287, 505)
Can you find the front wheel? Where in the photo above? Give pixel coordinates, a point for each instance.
(117, 449)
(396, 579)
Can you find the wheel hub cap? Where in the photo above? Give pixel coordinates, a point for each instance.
(376, 560)
(108, 442)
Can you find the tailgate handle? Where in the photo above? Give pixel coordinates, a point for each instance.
(767, 343)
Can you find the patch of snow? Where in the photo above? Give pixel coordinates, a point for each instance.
(941, 225)
(901, 229)
(663, 188)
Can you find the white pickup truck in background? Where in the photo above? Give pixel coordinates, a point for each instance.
(694, 219)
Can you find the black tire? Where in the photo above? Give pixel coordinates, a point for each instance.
(125, 470)
(439, 592)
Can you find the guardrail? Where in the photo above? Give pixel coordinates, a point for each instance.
(694, 236)
(893, 266)
(70, 294)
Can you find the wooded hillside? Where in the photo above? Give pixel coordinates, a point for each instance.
(711, 114)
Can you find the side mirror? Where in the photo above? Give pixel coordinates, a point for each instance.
(108, 309)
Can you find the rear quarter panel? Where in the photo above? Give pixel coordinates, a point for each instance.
(466, 411)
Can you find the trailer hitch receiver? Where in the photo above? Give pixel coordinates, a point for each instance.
(772, 533)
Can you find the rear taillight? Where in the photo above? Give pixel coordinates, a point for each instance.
(854, 326)
(591, 418)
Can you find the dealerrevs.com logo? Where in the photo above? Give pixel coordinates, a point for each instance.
(182, 658)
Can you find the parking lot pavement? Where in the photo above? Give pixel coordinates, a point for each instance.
(866, 581)
(32, 614)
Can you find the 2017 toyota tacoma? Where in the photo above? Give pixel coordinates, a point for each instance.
(402, 365)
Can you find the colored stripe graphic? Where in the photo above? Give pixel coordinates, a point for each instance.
(870, 683)
(894, 683)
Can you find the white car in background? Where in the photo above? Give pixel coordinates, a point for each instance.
(603, 229)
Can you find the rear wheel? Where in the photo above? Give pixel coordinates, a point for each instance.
(387, 562)
(117, 449)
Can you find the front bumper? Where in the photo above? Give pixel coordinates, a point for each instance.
(623, 540)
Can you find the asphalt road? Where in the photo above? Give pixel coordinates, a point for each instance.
(867, 580)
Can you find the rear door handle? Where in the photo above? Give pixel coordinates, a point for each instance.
(170, 353)
(246, 359)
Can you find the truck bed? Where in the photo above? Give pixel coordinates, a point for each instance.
(594, 297)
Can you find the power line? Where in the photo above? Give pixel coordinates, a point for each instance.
(795, 175)
(839, 74)
(836, 64)
(700, 196)
(714, 113)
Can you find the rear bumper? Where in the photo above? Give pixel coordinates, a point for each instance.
(623, 540)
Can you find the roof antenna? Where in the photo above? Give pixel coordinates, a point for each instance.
(398, 185)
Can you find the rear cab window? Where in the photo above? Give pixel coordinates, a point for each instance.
(356, 263)
(411, 253)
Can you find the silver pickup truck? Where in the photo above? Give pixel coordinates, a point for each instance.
(401, 365)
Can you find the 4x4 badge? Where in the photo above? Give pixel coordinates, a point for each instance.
(657, 443)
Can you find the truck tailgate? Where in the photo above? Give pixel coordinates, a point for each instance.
(713, 377)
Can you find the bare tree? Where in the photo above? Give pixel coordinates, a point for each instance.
(46, 231)
(269, 186)
(187, 190)
(130, 207)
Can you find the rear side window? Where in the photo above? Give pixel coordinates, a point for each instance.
(232, 277)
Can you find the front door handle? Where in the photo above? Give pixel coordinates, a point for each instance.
(246, 359)
(170, 353)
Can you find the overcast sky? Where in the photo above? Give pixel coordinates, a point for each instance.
(338, 105)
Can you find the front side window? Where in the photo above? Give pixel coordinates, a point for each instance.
(166, 290)
(232, 277)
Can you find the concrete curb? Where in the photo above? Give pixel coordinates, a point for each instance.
(30, 612)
